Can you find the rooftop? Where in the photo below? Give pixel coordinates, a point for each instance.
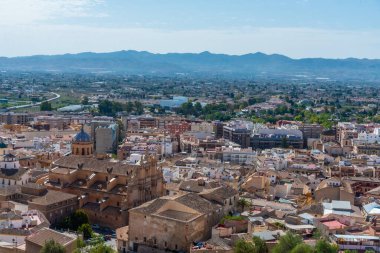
(46, 234)
(52, 197)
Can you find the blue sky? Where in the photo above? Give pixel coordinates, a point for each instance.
(297, 28)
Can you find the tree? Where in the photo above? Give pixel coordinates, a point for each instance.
(242, 246)
(260, 245)
(302, 248)
(86, 230)
(287, 242)
(45, 106)
(78, 218)
(323, 246)
(52, 247)
(85, 100)
(139, 108)
(101, 248)
(243, 203)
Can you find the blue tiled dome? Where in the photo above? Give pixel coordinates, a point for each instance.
(82, 136)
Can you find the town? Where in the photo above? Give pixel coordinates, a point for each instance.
(144, 168)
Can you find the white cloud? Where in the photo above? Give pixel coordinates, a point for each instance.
(16, 12)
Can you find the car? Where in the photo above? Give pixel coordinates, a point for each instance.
(95, 226)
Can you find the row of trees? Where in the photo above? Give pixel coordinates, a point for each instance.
(289, 243)
(110, 108)
(220, 111)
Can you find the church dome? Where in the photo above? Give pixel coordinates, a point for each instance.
(82, 136)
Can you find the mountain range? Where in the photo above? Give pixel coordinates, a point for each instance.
(205, 63)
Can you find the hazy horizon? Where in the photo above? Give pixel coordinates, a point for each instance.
(295, 28)
(164, 53)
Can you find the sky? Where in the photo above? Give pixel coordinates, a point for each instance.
(296, 28)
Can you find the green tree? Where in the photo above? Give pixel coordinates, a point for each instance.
(302, 248)
(242, 246)
(287, 242)
(78, 218)
(260, 245)
(105, 107)
(86, 230)
(45, 106)
(101, 248)
(322, 246)
(284, 142)
(84, 100)
(139, 108)
(52, 247)
(243, 203)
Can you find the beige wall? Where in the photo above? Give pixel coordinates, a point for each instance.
(169, 233)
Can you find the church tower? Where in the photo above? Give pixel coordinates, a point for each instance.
(82, 144)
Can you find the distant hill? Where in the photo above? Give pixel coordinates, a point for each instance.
(248, 65)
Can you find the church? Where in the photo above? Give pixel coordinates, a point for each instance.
(106, 188)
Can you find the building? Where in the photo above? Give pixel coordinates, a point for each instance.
(238, 132)
(55, 205)
(265, 138)
(16, 224)
(310, 131)
(12, 118)
(334, 189)
(234, 155)
(218, 129)
(11, 173)
(139, 122)
(172, 223)
(107, 188)
(36, 241)
(122, 239)
(177, 101)
(368, 149)
(106, 139)
(82, 144)
(178, 128)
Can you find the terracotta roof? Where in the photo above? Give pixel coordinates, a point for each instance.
(191, 200)
(224, 192)
(46, 234)
(94, 164)
(178, 215)
(52, 197)
(193, 185)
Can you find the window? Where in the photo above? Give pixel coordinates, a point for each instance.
(166, 244)
(144, 239)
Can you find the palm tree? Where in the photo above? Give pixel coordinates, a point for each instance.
(242, 203)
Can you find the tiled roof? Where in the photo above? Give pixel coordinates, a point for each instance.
(191, 200)
(45, 234)
(52, 197)
(93, 164)
(178, 215)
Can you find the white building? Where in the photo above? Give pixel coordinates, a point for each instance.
(369, 138)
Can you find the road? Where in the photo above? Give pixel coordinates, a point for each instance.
(34, 104)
